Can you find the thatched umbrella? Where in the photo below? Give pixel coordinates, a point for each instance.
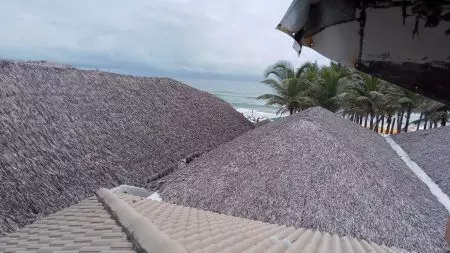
(316, 170)
(66, 132)
(430, 149)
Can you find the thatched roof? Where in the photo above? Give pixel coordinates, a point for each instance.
(66, 132)
(315, 170)
(430, 149)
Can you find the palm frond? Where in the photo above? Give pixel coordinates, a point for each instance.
(280, 70)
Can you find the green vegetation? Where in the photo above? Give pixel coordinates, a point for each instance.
(362, 98)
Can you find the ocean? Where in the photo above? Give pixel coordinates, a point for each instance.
(239, 94)
(242, 96)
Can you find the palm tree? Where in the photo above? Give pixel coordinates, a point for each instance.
(390, 106)
(432, 111)
(406, 100)
(359, 96)
(289, 85)
(327, 86)
(364, 95)
(288, 96)
(282, 70)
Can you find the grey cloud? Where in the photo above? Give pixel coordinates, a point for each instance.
(172, 37)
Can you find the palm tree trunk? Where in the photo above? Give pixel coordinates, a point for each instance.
(377, 119)
(400, 121)
(425, 121)
(408, 115)
(392, 126)
(371, 121)
(388, 121)
(382, 124)
(420, 119)
(444, 118)
(365, 120)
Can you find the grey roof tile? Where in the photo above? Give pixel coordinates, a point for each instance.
(202, 231)
(84, 227)
(194, 230)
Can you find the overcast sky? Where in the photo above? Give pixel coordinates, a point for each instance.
(178, 38)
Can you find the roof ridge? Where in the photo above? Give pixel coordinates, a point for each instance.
(145, 236)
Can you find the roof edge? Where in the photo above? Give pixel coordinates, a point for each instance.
(142, 232)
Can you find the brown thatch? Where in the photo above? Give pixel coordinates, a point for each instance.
(66, 132)
(430, 149)
(315, 170)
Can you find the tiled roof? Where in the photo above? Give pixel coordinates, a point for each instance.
(202, 231)
(155, 226)
(84, 227)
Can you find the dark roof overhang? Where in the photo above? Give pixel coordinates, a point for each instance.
(403, 42)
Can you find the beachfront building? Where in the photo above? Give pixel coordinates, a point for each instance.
(71, 132)
(313, 182)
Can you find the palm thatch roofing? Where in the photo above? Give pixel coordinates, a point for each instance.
(66, 132)
(430, 149)
(315, 170)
